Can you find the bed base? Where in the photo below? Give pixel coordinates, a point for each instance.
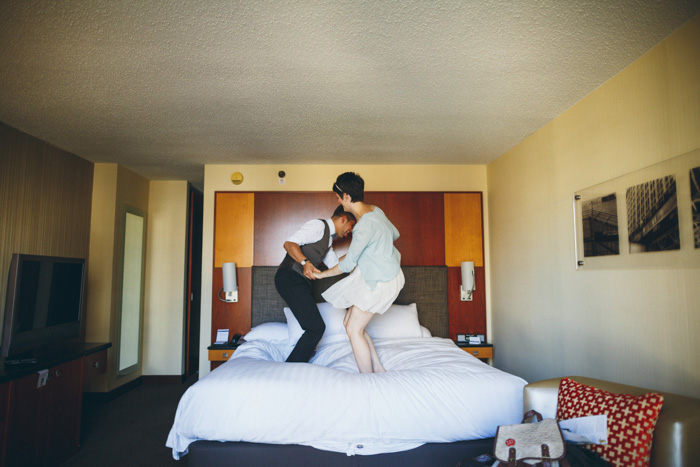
(208, 453)
(422, 282)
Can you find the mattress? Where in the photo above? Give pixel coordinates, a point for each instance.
(432, 392)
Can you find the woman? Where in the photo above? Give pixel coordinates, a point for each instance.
(376, 278)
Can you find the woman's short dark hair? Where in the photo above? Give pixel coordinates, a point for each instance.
(352, 184)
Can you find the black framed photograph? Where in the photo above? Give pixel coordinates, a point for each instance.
(600, 229)
(652, 216)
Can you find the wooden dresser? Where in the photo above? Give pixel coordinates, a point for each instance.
(41, 403)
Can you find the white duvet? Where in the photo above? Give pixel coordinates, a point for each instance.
(432, 392)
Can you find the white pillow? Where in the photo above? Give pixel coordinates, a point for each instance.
(332, 317)
(397, 321)
(293, 326)
(425, 332)
(272, 332)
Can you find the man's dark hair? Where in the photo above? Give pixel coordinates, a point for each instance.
(340, 212)
(352, 184)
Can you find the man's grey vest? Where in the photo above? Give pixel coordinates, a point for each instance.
(314, 252)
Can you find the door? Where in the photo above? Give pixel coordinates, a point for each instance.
(194, 281)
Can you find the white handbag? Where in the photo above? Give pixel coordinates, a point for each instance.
(530, 443)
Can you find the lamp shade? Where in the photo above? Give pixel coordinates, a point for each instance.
(468, 275)
(229, 273)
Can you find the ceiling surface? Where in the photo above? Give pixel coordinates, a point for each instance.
(164, 87)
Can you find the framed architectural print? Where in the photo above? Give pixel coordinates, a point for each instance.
(649, 218)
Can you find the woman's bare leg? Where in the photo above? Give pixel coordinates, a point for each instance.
(376, 364)
(355, 327)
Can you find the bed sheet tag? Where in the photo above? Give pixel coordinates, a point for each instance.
(592, 429)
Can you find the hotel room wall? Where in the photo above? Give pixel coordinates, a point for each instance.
(102, 253)
(115, 187)
(45, 196)
(637, 327)
(165, 294)
(316, 178)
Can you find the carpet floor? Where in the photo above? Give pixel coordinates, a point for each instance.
(130, 430)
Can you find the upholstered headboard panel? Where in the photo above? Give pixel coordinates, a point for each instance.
(426, 286)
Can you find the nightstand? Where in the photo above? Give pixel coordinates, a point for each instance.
(480, 351)
(219, 353)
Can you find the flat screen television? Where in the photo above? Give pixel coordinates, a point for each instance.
(45, 299)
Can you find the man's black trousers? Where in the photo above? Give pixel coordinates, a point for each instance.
(296, 290)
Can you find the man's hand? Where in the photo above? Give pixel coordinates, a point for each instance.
(309, 270)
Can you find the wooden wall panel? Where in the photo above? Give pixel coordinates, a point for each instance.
(419, 217)
(279, 215)
(233, 232)
(45, 201)
(469, 317)
(464, 231)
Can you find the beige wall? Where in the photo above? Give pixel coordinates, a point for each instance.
(321, 178)
(101, 272)
(114, 188)
(634, 326)
(164, 308)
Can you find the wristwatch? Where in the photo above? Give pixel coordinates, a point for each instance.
(303, 262)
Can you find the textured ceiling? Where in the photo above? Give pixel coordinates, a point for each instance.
(164, 87)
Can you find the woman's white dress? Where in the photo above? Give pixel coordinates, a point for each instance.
(353, 290)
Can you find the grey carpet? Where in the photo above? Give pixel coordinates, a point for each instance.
(131, 429)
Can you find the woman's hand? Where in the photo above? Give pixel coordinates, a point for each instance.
(334, 271)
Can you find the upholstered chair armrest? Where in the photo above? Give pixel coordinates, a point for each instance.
(677, 429)
(542, 397)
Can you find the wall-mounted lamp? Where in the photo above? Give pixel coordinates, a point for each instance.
(230, 288)
(468, 281)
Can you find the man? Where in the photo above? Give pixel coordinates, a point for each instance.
(306, 249)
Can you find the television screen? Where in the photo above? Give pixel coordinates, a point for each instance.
(44, 302)
(50, 294)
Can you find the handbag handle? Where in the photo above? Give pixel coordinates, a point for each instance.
(532, 413)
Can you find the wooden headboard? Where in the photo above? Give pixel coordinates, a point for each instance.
(426, 286)
(438, 229)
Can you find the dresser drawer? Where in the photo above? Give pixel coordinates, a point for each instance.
(95, 364)
(4, 395)
(220, 355)
(479, 352)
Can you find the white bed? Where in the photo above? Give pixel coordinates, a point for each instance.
(433, 392)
